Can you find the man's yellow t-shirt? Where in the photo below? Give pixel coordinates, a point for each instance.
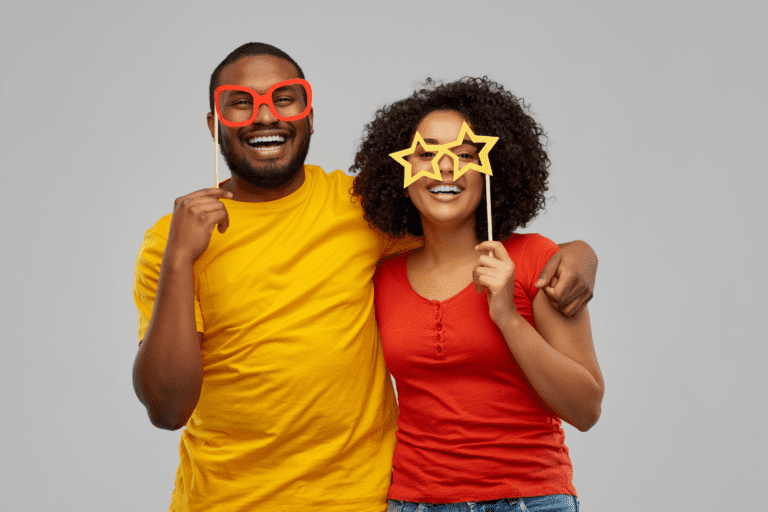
(297, 411)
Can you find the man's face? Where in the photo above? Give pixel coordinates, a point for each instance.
(268, 164)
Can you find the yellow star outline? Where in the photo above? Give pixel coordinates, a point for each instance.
(400, 157)
(485, 163)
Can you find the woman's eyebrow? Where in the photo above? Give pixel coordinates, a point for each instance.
(465, 142)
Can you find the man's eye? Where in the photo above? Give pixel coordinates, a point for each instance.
(242, 102)
(428, 154)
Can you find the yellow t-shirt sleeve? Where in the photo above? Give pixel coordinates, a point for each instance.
(146, 276)
(395, 245)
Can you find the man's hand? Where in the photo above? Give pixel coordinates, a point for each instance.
(568, 278)
(194, 217)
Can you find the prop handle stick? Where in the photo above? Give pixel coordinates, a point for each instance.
(488, 208)
(216, 143)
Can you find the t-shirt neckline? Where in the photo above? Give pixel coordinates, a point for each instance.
(289, 201)
(403, 271)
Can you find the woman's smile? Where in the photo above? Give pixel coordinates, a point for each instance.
(445, 201)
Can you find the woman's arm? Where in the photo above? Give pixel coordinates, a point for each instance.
(559, 359)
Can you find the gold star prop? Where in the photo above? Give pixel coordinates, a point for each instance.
(401, 157)
(485, 163)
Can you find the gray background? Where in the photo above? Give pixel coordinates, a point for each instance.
(656, 113)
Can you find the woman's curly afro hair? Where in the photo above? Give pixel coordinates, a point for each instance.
(519, 161)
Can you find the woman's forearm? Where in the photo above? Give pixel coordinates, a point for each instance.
(566, 386)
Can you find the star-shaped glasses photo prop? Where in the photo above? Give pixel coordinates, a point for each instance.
(441, 150)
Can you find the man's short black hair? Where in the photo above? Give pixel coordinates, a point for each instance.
(248, 50)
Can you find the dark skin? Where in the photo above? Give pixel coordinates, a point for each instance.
(168, 371)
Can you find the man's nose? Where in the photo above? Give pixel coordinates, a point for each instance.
(264, 115)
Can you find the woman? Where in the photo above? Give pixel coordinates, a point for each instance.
(481, 391)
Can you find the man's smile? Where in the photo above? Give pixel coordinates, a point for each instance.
(268, 145)
(266, 141)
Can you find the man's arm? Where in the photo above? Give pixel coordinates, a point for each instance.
(568, 278)
(168, 372)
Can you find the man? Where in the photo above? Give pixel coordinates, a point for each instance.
(261, 338)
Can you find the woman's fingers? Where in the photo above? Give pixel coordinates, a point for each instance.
(497, 248)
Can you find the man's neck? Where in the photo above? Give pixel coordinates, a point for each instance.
(248, 193)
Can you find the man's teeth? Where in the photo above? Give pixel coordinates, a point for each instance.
(271, 138)
(445, 189)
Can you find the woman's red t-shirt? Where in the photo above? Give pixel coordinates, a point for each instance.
(470, 428)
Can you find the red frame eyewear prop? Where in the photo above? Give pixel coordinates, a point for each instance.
(260, 99)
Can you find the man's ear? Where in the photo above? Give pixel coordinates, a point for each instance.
(310, 118)
(211, 121)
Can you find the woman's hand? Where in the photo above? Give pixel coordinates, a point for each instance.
(496, 274)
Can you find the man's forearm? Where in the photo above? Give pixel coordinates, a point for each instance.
(168, 371)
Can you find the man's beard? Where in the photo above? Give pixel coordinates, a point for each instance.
(270, 176)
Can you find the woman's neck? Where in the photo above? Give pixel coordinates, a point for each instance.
(447, 245)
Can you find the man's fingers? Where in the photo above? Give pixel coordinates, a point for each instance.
(578, 304)
(190, 202)
(571, 304)
(203, 193)
(562, 289)
(549, 271)
(210, 212)
(220, 217)
(582, 303)
(223, 225)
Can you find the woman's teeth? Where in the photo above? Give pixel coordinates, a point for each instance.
(445, 189)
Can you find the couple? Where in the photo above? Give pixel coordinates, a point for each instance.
(258, 330)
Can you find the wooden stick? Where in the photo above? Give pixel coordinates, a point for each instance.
(488, 208)
(216, 143)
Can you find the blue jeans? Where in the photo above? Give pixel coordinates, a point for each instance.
(551, 503)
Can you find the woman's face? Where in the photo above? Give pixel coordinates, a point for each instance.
(445, 203)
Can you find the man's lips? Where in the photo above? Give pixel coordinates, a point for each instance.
(266, 140)
(280, 139)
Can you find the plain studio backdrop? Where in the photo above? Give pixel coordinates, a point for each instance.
(656, 115)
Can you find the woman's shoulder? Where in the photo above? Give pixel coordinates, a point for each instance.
(524, 244)
(391, 265)
(530, 253)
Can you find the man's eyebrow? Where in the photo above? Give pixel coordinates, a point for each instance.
(237, 91)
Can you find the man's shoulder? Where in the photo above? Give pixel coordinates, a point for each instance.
(333, 178)
(161, 228)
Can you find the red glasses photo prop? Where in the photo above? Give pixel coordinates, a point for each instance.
(238, 106)
(288, 101)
